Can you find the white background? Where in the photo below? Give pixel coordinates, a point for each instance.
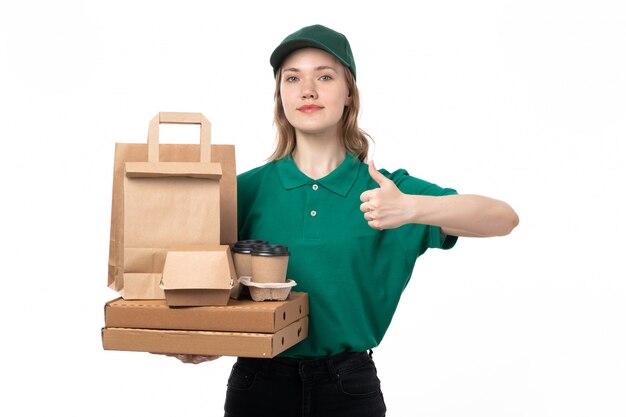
(521, 101)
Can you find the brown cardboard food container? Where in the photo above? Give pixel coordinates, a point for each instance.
(141, 285)
(137, 248)
(198, 276)
(253, 345)
(264, 291)
(238, 316)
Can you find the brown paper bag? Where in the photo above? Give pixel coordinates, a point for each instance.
(166, 195)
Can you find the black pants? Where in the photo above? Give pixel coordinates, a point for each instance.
(343, 385)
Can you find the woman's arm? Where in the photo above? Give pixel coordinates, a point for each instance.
(464, 214)
(458, 215)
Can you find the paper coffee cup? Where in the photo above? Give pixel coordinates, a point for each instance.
(242, 256)
(269, 263)
(242, 259)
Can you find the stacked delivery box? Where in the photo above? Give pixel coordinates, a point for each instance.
(173, 221)
(242, 328)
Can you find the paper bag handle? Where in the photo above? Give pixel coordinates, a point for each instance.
(179, 118)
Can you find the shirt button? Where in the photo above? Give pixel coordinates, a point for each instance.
(315, 187)
(313, 213)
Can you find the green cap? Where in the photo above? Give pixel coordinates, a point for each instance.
(316, 36)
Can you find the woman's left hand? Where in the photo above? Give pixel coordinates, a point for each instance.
(193, 359)
(386, 207)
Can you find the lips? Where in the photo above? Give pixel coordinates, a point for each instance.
(309, 108)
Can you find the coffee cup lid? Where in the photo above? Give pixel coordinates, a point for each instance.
(245, 246)
(270, 250)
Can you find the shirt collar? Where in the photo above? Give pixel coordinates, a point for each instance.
(339, 181)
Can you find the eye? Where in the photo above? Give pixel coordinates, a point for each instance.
(291, 79)
(326, 78)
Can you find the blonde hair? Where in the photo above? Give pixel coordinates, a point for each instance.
(355, 140)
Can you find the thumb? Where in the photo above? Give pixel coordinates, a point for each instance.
(376, 176)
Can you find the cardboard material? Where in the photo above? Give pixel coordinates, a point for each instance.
(198, 276)
(243, 267)
(167, 204)
(140, 286)
(253, 345)
(243, 264)
(242, 257)
(238, 316)
(264, 291)
(143, 258)
(210, 170)
(269, 268)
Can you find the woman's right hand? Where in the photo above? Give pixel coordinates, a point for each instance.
(194, 359)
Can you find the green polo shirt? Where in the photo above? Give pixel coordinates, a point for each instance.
(354, 274)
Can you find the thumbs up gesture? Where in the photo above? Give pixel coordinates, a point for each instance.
(386, 207)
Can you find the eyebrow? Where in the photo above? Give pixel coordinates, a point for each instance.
(320, 68)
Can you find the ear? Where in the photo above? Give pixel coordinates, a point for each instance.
(348, 100)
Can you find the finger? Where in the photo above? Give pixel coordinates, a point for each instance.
(377, 176)
(196, 359)
(375, 224)
(365, 207)
(188, 358)
(370, 195)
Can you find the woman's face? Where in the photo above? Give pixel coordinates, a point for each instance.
(314, 91)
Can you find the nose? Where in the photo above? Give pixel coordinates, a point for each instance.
(308, 90)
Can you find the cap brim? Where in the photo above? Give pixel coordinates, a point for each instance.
(283, 50)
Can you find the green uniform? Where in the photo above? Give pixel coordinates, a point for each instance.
(354, 274)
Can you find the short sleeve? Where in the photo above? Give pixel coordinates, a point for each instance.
(417, 238)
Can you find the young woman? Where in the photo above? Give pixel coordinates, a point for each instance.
(354, 234)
